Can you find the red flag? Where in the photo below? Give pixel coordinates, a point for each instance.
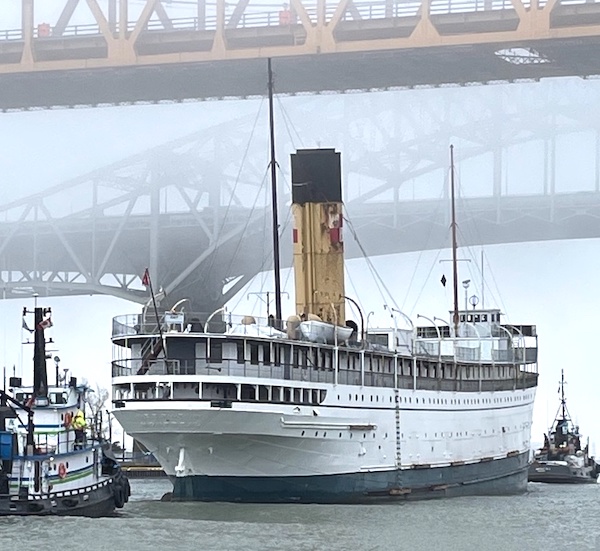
(146, 278)
(44, 324)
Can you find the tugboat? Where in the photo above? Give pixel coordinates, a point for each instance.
(562, 460)
(51, 461)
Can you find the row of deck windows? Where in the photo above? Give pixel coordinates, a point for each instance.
(323, 358)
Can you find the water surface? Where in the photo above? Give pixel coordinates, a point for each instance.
(548, 517)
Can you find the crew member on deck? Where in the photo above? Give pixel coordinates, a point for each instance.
(79, 425)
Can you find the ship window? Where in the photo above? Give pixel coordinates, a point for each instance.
(287, 395)
(216, 351)
(483, 317)
(240, 352)
(253, 354)
(267, 354)
(263, 393)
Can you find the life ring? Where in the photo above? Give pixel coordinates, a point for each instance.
(68, 419)
(62, 470)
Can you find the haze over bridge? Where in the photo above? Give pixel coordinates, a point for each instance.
(90, 52)
(197, 214)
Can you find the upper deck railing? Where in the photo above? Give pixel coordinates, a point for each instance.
(507, 344)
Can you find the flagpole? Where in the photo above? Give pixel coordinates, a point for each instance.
(148, 279)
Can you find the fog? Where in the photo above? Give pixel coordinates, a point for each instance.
(552, 285)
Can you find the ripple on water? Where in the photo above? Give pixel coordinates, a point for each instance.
(547, 517)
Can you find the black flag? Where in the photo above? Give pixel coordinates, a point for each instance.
(443, 280)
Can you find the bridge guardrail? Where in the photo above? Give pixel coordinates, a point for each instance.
(272, 18)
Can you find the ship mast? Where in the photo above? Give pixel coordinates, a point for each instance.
(454, 247)
(274, 202)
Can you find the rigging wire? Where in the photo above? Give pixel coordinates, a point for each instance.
(288, 122)
(268, 257)
(213, 257)
(356, 294)
(379, 282)
(419, 259)
(471, 230)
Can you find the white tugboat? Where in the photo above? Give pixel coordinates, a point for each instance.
(46, 466)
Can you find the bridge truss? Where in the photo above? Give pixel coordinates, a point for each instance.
(195, 210)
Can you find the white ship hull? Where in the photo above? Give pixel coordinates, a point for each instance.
(214, 453)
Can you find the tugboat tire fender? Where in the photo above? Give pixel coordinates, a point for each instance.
(119, 495)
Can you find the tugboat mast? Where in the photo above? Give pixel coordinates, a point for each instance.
(40, 375)
(563, 400)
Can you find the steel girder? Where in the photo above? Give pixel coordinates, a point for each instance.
(194, 212)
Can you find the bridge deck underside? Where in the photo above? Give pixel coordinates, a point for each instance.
(306, 72)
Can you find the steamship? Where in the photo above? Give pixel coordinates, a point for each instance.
(317, 409)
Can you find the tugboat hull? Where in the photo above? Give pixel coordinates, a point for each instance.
(98, 500)
(555, 472)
